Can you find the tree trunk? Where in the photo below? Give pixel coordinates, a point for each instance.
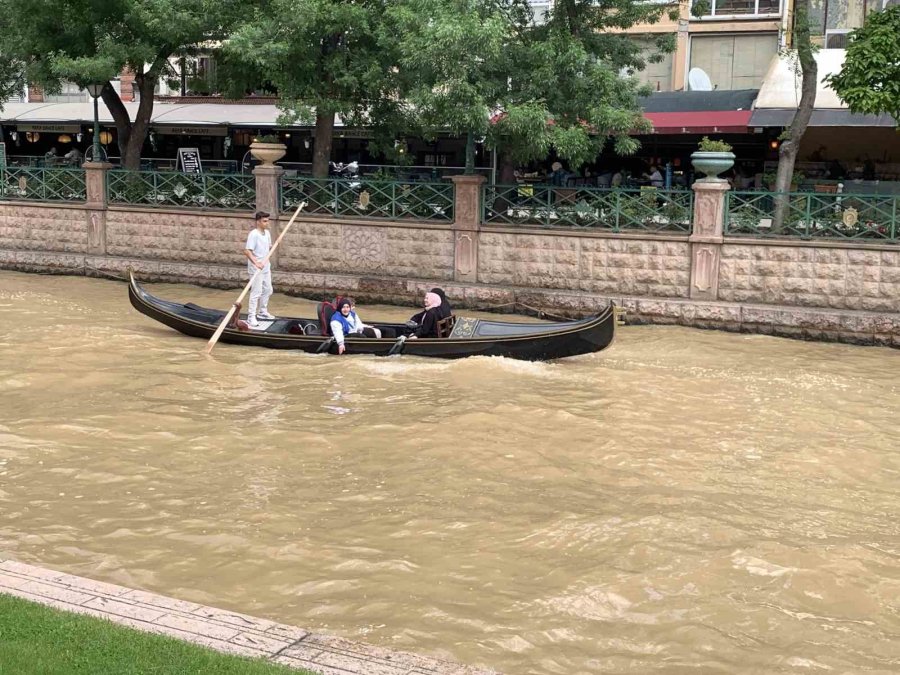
(131, 135)
(790, 147)
(322, 146)
(506, 177)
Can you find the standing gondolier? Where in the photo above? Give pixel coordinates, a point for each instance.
(259, 241)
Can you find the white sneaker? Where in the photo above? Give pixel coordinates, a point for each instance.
(265, 316)
(253, 323)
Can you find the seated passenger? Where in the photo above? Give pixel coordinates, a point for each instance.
(427, 319)
(444, 310)
(345, 322)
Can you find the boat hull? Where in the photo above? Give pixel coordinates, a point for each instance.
(531, 342)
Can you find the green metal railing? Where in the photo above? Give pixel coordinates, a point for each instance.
(42, 184)
(170, 188)
(645, 209)
(369, 198)
(811, 215)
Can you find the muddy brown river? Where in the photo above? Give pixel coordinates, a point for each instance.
(685, 501)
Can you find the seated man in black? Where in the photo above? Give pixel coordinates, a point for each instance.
(427, 319)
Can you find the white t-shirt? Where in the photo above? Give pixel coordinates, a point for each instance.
(258, 243)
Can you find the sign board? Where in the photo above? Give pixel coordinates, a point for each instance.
(189, 160)
(50, 128)
(192, 131)
(2, 155)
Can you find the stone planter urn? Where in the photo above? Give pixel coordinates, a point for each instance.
(711, 164)
(268, 153)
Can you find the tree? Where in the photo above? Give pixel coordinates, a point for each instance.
(790, 147)
(489, 68)
(326, 58)
(12, 71)
(88, 41)
(869, 82)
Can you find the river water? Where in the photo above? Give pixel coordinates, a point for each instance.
(685, 500)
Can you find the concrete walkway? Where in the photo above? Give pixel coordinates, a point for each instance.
(215, 628)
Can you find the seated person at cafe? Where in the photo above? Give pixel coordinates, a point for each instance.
(558, 175)
(426, 320)
(73, 156)
(655, 177)
(345, 322)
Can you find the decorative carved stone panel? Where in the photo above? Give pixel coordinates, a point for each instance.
(363, 248)
(465, 258)
(705, 272)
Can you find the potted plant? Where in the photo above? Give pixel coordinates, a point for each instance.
(268, 149)
(712, 158)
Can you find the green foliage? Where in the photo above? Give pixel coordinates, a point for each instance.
(701, 8)
(267, 138)
(487, 67)
(325, 58)
(707, 145)
(87, 41)
(869, 81)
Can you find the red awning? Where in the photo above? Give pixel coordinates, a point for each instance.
(700, 121)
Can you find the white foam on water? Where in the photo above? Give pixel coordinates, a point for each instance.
(758, 566)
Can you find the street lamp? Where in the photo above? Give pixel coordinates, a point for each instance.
(95, 89)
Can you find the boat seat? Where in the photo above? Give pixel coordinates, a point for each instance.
(445, 326)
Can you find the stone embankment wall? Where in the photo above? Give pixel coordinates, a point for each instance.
(847, 291)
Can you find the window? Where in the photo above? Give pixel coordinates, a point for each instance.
(657, 75)
(734, 61)
(540, 8)
(69, 93)
(722, 9)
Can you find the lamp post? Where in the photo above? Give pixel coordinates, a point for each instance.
(95, 89)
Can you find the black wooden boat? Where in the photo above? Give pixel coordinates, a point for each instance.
(469, 336)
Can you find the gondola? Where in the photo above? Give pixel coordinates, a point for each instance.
(468, 337)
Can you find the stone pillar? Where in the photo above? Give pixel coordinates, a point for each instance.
(707, 237)
(466, 226)
(268, 186)
(95, 184)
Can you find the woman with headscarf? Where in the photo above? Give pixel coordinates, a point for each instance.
(427, 319)
(444, 310)
(345, 322)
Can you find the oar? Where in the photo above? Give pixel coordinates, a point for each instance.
(325, 346)
(397, 347)
(215, 338)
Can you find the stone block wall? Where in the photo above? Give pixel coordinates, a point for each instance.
(836, 276)
(41, 228)
(177, 236)
(368, 248)
(594, 263)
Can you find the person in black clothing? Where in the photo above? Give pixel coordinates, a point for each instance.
(445, 309)
(427, 319)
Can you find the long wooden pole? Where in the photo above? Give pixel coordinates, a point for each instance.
(215, 338)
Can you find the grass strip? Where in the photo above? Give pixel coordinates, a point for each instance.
(39, 640)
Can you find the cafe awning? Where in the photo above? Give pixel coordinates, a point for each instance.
(779, 96)
(705, 122)
(174, 114)
(699, 112)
